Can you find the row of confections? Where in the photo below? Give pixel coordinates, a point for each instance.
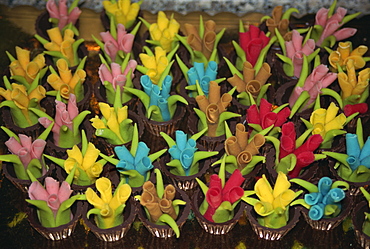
(275, 139)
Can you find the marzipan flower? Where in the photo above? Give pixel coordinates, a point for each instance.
(212, 110)
(122, 11)
(134, 165)
(327, 29)
(354, 90)
(66, 131)
(154, 64)
(185, 156)
(116, 76)
(26, 154)
(117, 43)
(66, 83)
(23, 69)
(21, 100)
(163, 32)
(84, 161)
(202, 44)
(354, 165)
(53, 201)
(160, 204)
(61, 15)
(279, 20)
(114, 125)
(61, 45)
(324, 201)
(108, 208)
(345, 53)
(272, 204)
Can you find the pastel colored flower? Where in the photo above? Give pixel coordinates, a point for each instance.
(354, 85)
(66, 83)
(319, 78)
(279, 20)
(21, 101)
(61, 45)
(23, 69)
(61, 14)
(122, 11)
(155, 63)
(108, 208)
(53, 201)
(345, 52)
(163, 32)
(328, 25)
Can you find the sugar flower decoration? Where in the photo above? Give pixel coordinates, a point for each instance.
(272, 204)
(117, 43)
(212, 110)
(115, 76)
(25, 154)
(294, 52)
(200, 75)
(354, 90)
(242, 150)
(251, 82)
(53, 201)
(354, 165)
(323, 201)
(108, 208)
(64, 82)
(160, 203)
(221, 196)
(122, 12)
(163, 32)
(134, 165)
(61, 15)
(88, 169)
(279, 20)
(327, 123)
(184, 153)
(328, 25)
(267, 117)
(23, 69)
(254, 44)
(309, 88)
(22, 99)
(114, 125)
(159, 104)
(156, 64)
(345, 53)
(65, 125)
(293, 153)
(202, 42)
(61, 45)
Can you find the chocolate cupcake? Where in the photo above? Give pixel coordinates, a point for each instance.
(358, 218)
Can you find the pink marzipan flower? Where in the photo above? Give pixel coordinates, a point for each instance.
(115, 74)
(60, 12)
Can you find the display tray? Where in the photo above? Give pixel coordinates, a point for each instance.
(16, 232)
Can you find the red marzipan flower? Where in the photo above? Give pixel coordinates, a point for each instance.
(304, 153)
(264, 116)
(252, 42)
(216, 194)
(351, 109)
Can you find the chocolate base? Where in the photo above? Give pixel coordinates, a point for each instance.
(56, 233)
(114, 233)
(358, 218)
(271, 233)
(165, 231)
(212, 227)
(326, 224)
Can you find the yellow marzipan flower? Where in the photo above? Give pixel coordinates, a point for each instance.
(344, 53)
(155, 64)
(124, 11)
